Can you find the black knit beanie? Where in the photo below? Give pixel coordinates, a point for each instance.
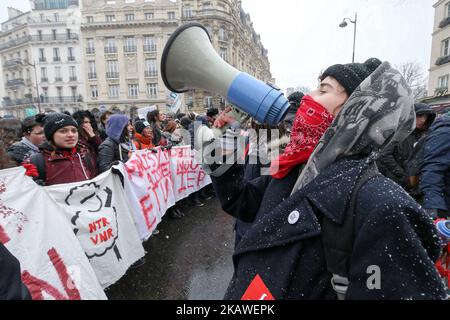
(139, 126)
(55, 121)
(351, 75)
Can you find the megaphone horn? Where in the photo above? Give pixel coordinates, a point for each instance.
(189, 62)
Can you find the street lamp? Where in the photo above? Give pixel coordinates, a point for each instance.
(37, 84)
(344, 24)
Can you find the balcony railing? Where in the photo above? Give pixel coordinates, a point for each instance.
(15, 42)
(151, 74)
(444, 22)
(56, 59)
(58, 79)
(149, 48)
(112, 75)
(90, 50)
(13, 63)
(73, 79)
(110, 49)
(44, 79)
(92, 75)
(129, 49)
(42, 59)
(55, 37)
(70, 58)
(443, 60)
(61, 99)
(15, 82)
(441, 91)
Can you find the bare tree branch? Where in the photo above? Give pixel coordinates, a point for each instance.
(415, 77)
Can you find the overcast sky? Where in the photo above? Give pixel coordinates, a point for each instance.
(303, 36)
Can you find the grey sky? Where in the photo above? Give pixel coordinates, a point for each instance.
(303, 36)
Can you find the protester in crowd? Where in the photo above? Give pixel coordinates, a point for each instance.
(6, 161)
(185, 123)
(172, 133)
(435, 181)
(394, 160)
(10, 131)
(119, 145)
(102, 127)
(61, 159)
(155, 118)
(325, 212)
(143, 136)
(33, 137)
(88, 132)
(211, 116)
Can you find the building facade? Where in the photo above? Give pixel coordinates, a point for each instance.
(234, 38)
(41, 59)
(123, 41)
(439, 72)
(66, 55)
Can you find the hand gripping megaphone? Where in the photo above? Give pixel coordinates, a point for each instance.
(189, 61)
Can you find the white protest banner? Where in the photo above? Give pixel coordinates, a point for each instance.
(32, 228)
(142, 112)
(149, 188)
(173, 101)
(99, 214)
(187, 175)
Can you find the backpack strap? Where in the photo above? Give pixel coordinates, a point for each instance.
(39, 161)
(338, 240)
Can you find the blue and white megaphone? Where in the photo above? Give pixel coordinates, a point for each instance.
(189, 61)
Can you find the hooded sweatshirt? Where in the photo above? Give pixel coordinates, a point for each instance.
(112, 149)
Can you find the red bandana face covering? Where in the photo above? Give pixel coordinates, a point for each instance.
(311, 122)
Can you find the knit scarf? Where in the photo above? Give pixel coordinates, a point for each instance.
(311, 122)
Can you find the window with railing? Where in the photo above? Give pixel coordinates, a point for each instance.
(443, 82)
(113, 91)
(149, 15)
(72, 73)
(90, 46)
(42, 55)
(133, 90)
(112, 69)
(222, 34)
(94, 91)
(208, 102)
(149, 44)
(151, 69)
(152, 89)
(171, 15)
(70, 55)
(187, 11)
(110, 46)
(224, 53)
(129, 17)
(92, 70)
(130, 44)
(56, 56)
(110, 18)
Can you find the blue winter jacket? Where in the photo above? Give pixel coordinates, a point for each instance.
(435, 182)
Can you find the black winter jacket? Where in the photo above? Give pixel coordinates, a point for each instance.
(109, 152)
(11, 286)
(391, 232)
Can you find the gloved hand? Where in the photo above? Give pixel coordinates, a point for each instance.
(31, 170)
(438, 214)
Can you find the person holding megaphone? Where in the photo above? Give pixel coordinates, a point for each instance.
(325, 216)
(325, 224)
